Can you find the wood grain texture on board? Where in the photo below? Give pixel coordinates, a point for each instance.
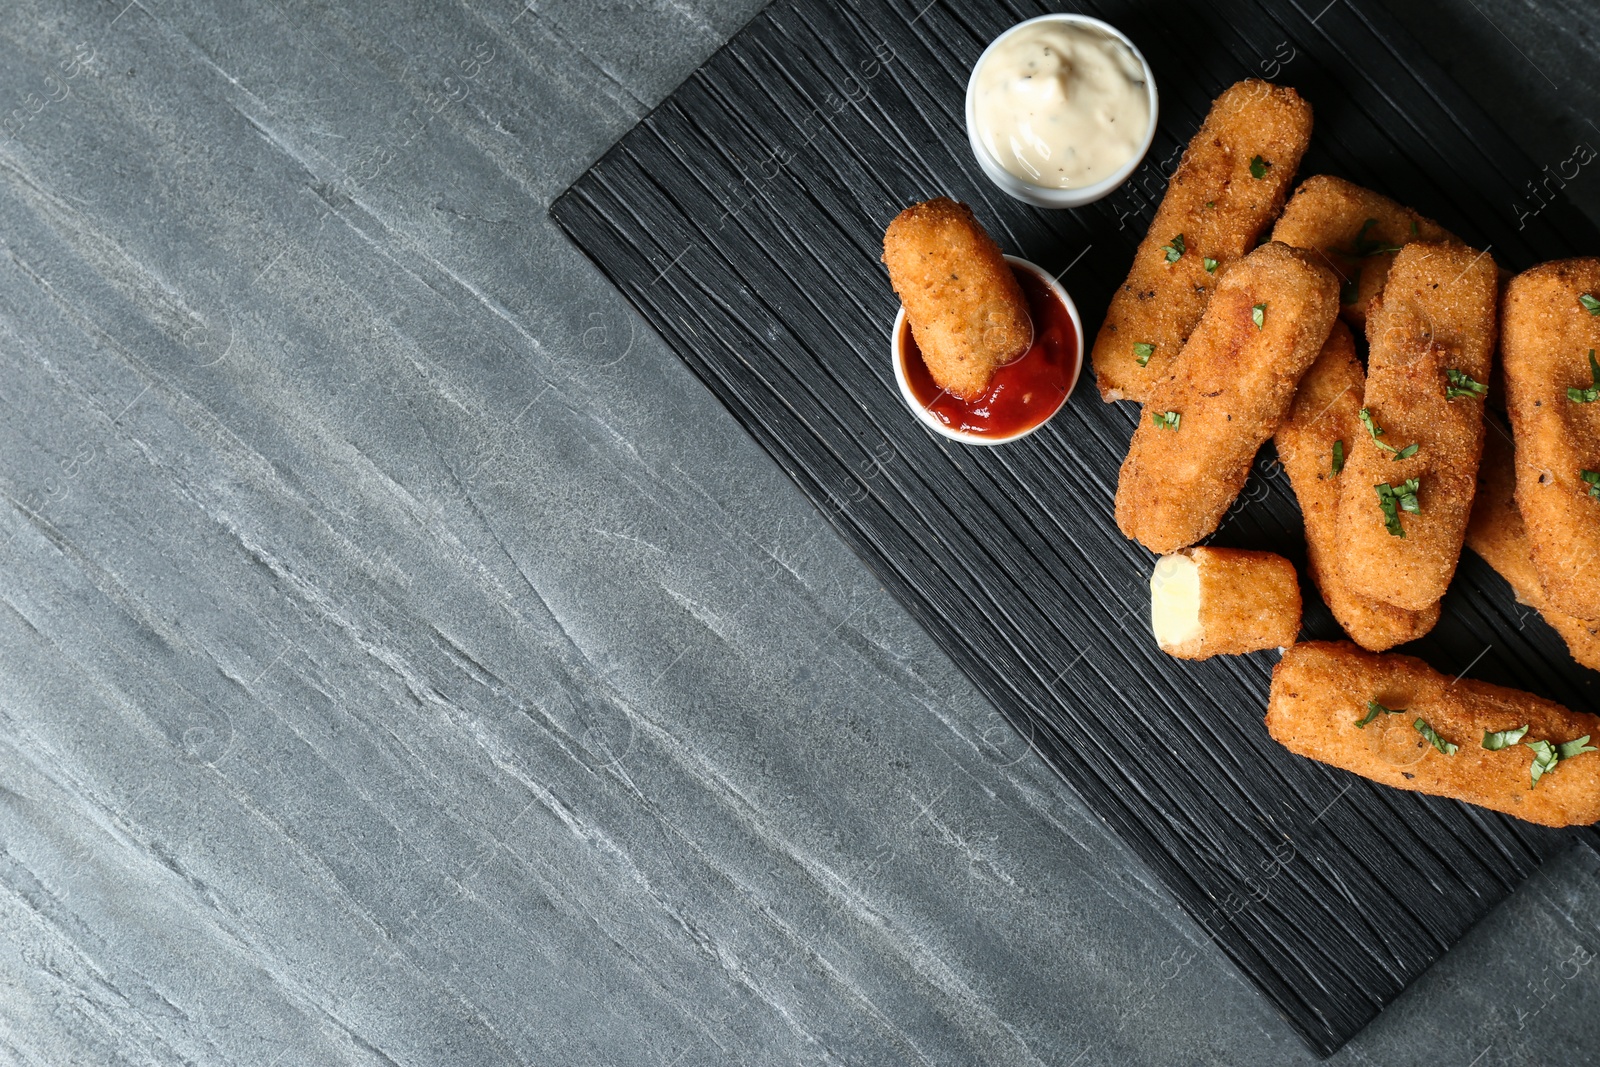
(743, 218)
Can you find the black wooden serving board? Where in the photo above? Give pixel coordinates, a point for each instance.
(744, 219)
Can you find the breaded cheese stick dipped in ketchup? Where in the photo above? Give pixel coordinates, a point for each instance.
(1552, 330)
(967, 310)
(1312, 442)
(1228, 187)
(1407, 486)
(1224, 395)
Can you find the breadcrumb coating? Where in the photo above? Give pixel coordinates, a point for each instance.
(967, 310)
(1321, 690)
(1220, 209)
(1435, 316)
(1545, 348)
(1249, 601)
(1496, 532)
(1228, 389)
(1324, 412)
(1330, 216)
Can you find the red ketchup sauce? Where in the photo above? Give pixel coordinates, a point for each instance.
(1025, 392)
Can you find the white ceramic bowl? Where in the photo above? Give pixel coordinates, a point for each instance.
(1044, 195)
(930, 420)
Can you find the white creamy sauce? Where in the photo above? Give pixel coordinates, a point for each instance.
(1062, 105)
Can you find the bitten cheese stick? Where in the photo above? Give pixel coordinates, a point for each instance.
(1313, 441)
(967, 310)
(1208, 602)
(1396, 720)
(1552, 322)
(1230, 183)
(1496, 533)
(1358, 232)
(1223, 396)
(1407, 486)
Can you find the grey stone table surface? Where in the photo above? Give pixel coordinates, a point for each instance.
(403, 659)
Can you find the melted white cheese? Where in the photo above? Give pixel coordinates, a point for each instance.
(1175, 600)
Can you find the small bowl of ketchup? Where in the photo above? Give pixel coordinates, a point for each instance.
(1025, 393)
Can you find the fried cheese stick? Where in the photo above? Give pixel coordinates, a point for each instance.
(1406, 492)
(1322, 416)
(1208, 602)
(1230, 183)
(967, 310)
(1496, 532)
(1223, 396)
(1358, 232)
(1550, 330)
(1372, 714)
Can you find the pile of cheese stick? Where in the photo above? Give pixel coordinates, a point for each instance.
(1235, 325)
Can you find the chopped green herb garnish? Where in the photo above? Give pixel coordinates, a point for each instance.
(1393, 499)
(1460, 384)
(1167, 420)
(1546, 755)
(1350, 290)
(1593, 478)
(1590, 304)
(1575, 748)
(1589, 395)
(1338, 456)
(1374, 709)
(1545, 758)
(1413, 227)
(1375, 431)
(1174, 250)
(1258, 167)
(1209, 264)
(1388, 504)
(1494, 742)
(1361, 242)
(1366, 247)
(1258, 315)
(1211, 203)
(1422, 727)
(1142, 351)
